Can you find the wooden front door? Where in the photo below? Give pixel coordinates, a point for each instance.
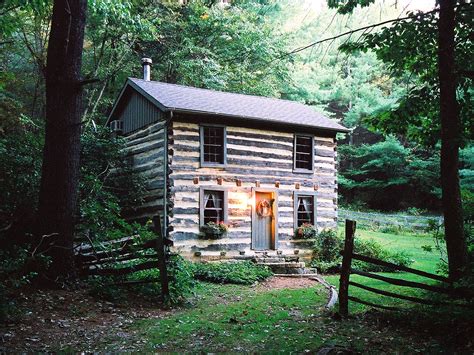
(263, 221)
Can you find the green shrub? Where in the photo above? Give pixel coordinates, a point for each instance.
(375, 250)
(326, 249)
(390, 229)
(181, 278)
(327, 258)
(241, 272)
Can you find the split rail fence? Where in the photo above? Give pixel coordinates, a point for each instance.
(126, 256)
(347, 270)
(384, 219)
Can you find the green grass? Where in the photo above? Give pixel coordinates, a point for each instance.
(231, 318)
(410, 243)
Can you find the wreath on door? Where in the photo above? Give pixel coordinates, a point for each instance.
(264, 208)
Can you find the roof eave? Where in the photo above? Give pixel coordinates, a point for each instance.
(251, 118)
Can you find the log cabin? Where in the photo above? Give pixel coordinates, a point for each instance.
(262, 166)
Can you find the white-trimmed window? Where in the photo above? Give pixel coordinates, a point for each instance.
(213, 205)
(213, 146)
(304, 209)
(303, 153)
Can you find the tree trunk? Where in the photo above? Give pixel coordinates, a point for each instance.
(450, 137)
(60, 170)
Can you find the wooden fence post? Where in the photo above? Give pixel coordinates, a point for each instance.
(160, 250)
(346, 268)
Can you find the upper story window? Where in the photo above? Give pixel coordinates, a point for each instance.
(213, 206)
(303, 153)
(304, 209)
(213, 146)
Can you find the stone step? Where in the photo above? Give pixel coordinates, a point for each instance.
(269, 260)
(292, 267)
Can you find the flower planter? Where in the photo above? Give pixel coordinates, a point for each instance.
(214, 230)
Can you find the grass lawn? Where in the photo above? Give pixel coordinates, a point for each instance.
(252, 319)
(243, 318)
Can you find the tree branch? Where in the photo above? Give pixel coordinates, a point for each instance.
(300, 49)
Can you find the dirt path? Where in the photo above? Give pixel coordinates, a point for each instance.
(73, 320)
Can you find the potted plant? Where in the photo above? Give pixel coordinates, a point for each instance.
(306, 231)
(214, 230)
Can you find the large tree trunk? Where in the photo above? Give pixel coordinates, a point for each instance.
(60, 171)
(450, 137)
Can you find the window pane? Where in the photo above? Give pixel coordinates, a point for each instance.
(213, 206)
(305, 210)
(213, 145)
(304, 152)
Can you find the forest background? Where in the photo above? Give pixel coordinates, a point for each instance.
(390, 161)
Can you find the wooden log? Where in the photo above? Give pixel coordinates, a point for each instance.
(400, 282)
(119, 259)
(370, 260)
(346, 268)
(404, 297)
(160, 250)
(132, 282)
(358, 300)
(123, 271)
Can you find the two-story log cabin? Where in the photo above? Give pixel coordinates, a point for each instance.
(264, 166)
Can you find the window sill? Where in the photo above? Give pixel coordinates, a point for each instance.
(222, 166)
(303, 171)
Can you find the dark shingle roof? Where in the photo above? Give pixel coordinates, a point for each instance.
(189, 99)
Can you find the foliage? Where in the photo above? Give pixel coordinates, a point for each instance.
(466, 171)
(416, 114)
(347, 87)
(375, 250)
(20, 159)
(224, 48)
(326, 251)
(306, 231)
(181, 278)
(18, 268)
(214, 230)
(467, 197)
(181, 282)
(107, 185)
(436, 231)
(328, 245)
(241, 272)
(388, 176)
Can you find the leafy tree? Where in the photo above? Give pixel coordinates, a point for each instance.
(60, 169)
(205, 45)
(346, 87)
(439, 62)
(114, 29)
(388, 176)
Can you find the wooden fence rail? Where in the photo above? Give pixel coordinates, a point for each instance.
(346, 270)
(115, 257)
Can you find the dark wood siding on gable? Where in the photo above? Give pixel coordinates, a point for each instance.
(138, 112)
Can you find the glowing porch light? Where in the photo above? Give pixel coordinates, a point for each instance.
(243, 200)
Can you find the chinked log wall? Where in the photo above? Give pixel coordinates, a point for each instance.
(145, 149)
(252, 155)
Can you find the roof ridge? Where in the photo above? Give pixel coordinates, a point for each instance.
(221, 92)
